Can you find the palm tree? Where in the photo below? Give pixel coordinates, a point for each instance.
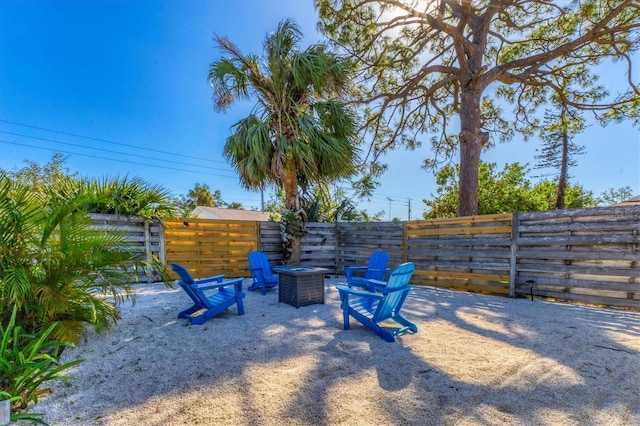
(299, 130)
(55, 265)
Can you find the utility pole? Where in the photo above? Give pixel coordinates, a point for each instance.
(390, 200)
(409, 203)
(262, 199)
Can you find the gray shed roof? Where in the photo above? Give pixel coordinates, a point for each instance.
(229, 214)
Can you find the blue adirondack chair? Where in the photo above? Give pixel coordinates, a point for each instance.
(261, 272)
(375, 270)
(213, 304)
(371, 309)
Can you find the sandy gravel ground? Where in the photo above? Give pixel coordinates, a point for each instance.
(476, 360)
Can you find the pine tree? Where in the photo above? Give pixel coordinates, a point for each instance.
(559, 150)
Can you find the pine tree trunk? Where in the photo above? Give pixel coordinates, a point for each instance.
(471, 142)
(562, 181)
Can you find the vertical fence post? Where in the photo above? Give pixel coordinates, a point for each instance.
(404, 242)
(147, 250)
(162, 254)
(513, 258)
(337, 246)
(258, 236)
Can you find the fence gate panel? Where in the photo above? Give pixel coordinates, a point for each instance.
(209, 247)
(469, 253)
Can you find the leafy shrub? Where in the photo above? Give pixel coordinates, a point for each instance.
(26, 362)
(55, 266)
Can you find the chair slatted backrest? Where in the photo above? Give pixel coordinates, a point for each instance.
(258, 259)
(186, 282)
(393, 300)
(377, 266)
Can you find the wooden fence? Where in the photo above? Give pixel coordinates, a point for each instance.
(145, 236)
(470, 253)
(318, 245)
(589, 255)
(356, 242)
(209, 247)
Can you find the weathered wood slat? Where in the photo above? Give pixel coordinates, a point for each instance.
(575, 240)
(627, 287)
(461, 220)
(472, 230)
(599, 300)
(473, 287)
(449, 275)
(488, 252)
(612, 226)
(595, 212)
(498, 240)
(579, 270)
(545, 254)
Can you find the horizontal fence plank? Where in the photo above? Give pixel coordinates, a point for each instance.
(460, 231)
(593, 299)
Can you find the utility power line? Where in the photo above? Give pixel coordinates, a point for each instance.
(107, 150)
(108, 141)
(121, 161)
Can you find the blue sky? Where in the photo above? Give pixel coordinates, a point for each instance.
(132, 75)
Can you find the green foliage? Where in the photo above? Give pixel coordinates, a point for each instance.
(298, 126)
(557, 133)
(56, 269)
(299, 130)
(326, 203)
(235, 205)
(323, 202)
(446, 68)
(614, 196)
(26, 362)
(40, 177)
(128, 197)
(276, 205)
(55, 266)
(201, 195)
(110, 195)
(505, 191)
(291, 229)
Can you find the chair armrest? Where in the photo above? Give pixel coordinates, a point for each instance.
(349, 290)
(373, 283)
(216, 278)
(348, 270)
(257, 274)
(236, 282)
(221, 284)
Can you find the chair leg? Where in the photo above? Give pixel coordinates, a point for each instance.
(345, 312)
(408, 324)
(375, 327)
(386, 336)
(187, 312)
(239, 303)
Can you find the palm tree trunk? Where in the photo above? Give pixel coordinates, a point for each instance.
(293, 220)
